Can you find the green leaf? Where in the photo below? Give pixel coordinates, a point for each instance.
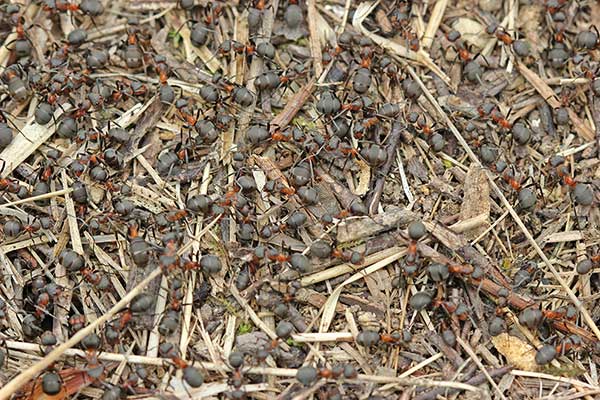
(244, 328)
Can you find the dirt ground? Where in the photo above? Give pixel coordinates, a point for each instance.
(308, 199)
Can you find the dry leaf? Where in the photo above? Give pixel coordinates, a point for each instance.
(530, 18)
(364, 178)
(517, 352)
(476, 199)
(472, 32)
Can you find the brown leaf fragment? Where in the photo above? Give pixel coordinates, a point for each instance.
(282, 119)
(358, 228)
(147, 121)
(383, 22)
(516, 351)
(476, 199)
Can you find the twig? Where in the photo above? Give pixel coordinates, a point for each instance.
(222, 367)
(314, 41)
(342, 25)
(405, 185)
(448, 351)
(36, 198)
(294, 105)
(394, 139)
(475, 381)
(585, 314)
(595, 108)
(31, 372)
(477, 361)
(434, 22)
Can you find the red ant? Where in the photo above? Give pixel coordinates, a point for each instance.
(64, 6)
(348, 150)
(554, 6)
(41, 306)
(176, 215)
(461, 269)
(393, 338)
(280, 136)
(229, 198)
(215, 12)
(564, 175)
(77, 322)
(9, 185)
(371, 122)
(278, 257)
(123, 320)
(500, 120)
(503, 36)
(83, 109)
(91, 277)
(561, 313)
(463, 53)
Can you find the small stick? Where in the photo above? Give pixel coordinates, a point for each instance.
(342, 25)
(221, 367)
(477, 361)
(394, 139)
(448, 351)
(342, 193)
(315, 43)
(475, 381)
(38, 197)
(595, 108)
(282, 119)
(434, 22)
(574, 299)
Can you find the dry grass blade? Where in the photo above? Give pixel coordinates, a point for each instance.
(548, 94)
(55, 354)
(36, 198)
(27, 141)
(586, 315)
(434, 22)
(363, 10)
(329, 307)
(314, 40)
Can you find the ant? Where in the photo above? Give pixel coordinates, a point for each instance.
(16, 86)
(77, 322)
(568, 313)
(23, 44)
(509, 178)
(500, 120)
(458, 310)
(133, 53)
(82, 110)
(503, 36)
(272, 255)
(191, 375)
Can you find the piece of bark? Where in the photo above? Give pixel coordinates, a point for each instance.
(476, 199)
(359, 228)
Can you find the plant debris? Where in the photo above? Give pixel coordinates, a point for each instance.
(299, 199)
